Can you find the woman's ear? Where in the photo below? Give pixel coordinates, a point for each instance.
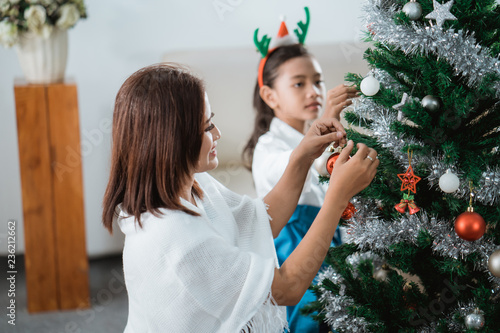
(268, 95)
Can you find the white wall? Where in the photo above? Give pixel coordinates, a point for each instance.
(119, 37)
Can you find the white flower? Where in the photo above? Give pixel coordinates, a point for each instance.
(35, 18)
(13, 2)
(46, 2)
(51, 9)
(8, 34)
(69, 15)
(4, 7)
(13, 12)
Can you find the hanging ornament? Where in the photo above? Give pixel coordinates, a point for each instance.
(331, 162)
(449, 182)
(400, 105)
(408, 182)
(431, 103)
(413, 10)
(370, 85)
(469, 225)
(325, 163)
(407, 201)
(349, 211)
(475, 321)
(441, 13)
(494, 263)
(382, 274)
(320, 162)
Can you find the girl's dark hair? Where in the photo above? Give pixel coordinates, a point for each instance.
(264, 114)
(157, 135)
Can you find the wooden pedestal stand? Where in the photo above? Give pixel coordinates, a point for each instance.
(52, 192)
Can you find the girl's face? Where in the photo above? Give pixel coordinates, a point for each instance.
(208, 153)
(298, 92)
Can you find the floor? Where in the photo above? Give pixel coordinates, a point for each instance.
(108, 313)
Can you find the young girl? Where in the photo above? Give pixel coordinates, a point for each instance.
(198, 257)
(289, 93)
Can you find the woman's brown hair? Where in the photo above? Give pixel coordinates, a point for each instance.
(264, 114)
(157, 135)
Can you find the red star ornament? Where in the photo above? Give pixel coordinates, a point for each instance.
(409, 180)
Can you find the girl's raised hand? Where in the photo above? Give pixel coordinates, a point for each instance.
(350, 176)
(337, 99)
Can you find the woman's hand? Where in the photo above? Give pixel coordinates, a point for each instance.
(320, 135)
(350, 176)
(337, 99)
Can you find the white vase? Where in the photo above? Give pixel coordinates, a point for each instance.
(43, 60)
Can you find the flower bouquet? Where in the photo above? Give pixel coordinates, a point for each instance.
(39, 31)
(40, 17)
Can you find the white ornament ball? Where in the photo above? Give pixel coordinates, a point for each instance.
(320, 164)
(370, 86)
(449, 182)
(474, 321)
(413, 10)
(494, 263)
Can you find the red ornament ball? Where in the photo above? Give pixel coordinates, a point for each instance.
(330, 163)
(349, 211)
(470, 226)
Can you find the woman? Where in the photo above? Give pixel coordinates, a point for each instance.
(198, 257)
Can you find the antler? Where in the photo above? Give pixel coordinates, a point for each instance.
(303, 26)
(262, 45)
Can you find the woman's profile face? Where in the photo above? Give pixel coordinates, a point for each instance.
(208, 153)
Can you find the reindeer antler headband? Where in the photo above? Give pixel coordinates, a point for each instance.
(282, 39)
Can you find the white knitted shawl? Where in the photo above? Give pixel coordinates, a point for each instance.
(208, 273)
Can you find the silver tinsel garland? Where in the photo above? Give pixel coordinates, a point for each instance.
(459, 48)
(355, 259)
(369, 232)
(487, 191)
(335, 306)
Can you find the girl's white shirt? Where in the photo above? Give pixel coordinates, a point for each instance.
(207, 273)
(270, 159)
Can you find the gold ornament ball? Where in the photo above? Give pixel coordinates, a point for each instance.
(494, 263)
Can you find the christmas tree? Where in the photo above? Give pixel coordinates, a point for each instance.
(422, 250)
